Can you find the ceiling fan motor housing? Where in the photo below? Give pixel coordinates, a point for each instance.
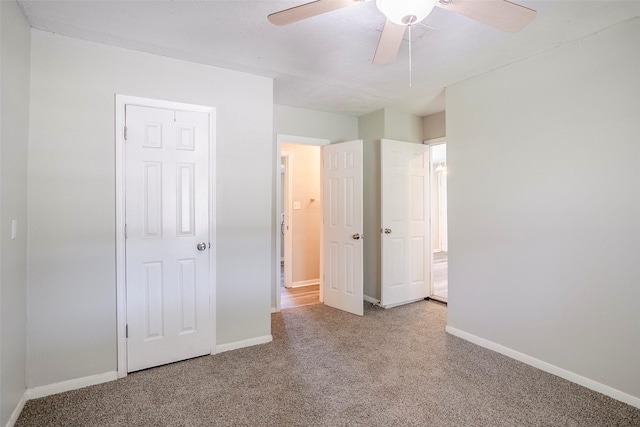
(405, 12)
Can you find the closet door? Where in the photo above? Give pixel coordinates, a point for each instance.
(405, 222)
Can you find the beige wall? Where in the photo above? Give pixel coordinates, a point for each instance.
(435, 209)
(434, 126)
(15, 54)
(544, 209)
(306, 221)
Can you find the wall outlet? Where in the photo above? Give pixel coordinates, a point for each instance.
(296, 205)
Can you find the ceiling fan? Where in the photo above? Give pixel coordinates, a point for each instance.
(400, 14)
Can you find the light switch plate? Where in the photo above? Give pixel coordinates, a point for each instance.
(296, 205)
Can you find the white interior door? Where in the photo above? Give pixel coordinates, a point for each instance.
(167, 236)
(405, 222)
(342, 229)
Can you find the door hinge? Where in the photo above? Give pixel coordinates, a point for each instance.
(126, 234)
(126, 331)
(125, 133)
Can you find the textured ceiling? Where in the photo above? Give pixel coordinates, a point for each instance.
(324, 63)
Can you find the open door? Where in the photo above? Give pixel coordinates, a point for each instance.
(342, 226)
(406, 244)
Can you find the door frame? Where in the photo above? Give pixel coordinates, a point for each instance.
(281, 139)
(121, 301)
(288, 211)
(431, 143)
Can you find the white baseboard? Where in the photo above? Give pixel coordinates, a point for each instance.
(47, 390)
(402, 303)
(547, 367)
(17, 411)
(221, 348)
(302, 283)
(273, 310)
(371, 300)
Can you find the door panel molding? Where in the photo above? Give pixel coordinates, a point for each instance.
(121, 101)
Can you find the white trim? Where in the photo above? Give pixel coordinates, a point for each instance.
(402, 303)
(221, 348)
(280, 139)
(302, 283)
(288, 214)
(47, 390)
(547, 367)
(435, 141)
(371, 300)
(292, 139)
(16, 412)
(121, 302)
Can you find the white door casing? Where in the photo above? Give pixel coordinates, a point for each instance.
(287, 157)
(405, 216)
(167, 216)
(342, 226)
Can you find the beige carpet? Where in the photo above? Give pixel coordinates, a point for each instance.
(392, 367)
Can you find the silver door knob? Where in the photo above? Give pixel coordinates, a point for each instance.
(387, 231)
(201, 246)
(356, 236)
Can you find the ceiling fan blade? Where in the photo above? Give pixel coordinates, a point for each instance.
(308, 10)
(389, 43)
(501, 14)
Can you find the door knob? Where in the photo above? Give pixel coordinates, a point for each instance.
(387, 231)
(201, 246)
(356, 236)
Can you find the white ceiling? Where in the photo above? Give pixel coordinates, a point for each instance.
(324, 63)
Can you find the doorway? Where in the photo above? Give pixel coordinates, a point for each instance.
(295, 286)
(338, 207)
(439, 224)
(301, 224)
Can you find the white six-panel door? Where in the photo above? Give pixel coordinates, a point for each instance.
(343, 226)
(405, 222)
(167, 236)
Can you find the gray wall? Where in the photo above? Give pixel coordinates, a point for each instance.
(371, 130)
(71, 279)
(15, 53)
(314, 124)
(434, 126)
(544, 207)
(403, 126)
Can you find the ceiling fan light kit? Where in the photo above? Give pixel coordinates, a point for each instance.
(405, 12)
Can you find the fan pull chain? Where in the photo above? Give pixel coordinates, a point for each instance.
(410, 71)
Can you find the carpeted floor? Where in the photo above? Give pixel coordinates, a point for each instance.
(392, 367)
